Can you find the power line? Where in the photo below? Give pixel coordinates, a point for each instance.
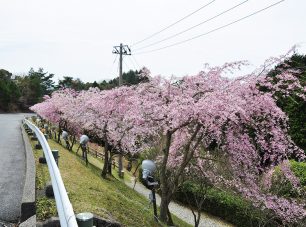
(171, 25)
(112, 67)
(127, 65)
(135, 61)
(211, 31)
(188, 29)
(115, 59)
(133, 64)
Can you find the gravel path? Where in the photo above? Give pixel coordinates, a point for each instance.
(180, 211)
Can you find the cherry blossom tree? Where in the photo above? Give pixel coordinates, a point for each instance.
(201, 120)
(207, 114)
(56, 110)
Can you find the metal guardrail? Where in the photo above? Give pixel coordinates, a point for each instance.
(64, 207)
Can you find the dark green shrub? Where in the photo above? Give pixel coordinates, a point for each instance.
(283, 187)
(45, 208)
(299, 169)
(228, 206)
(234, 208)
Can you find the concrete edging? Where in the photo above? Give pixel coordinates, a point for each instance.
(97, 221)
(28, 207)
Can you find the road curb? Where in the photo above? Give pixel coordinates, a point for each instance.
(31, 222)
(28, 208)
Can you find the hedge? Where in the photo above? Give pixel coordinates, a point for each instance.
(226, 205)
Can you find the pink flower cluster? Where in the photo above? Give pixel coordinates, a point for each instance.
(195, 117)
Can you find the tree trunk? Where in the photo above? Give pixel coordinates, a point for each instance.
(163, 180)
(72, 143)
(109, 166)
(105, 167)
(59, 133)
(170, 221)
(168, 188)
(163, 216)
(59, 137)
(197, 221)
(120, 165)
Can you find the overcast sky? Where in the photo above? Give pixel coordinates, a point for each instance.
(76, 37)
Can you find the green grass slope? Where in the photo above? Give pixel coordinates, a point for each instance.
(88, 192)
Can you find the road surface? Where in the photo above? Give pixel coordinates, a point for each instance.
(12, 167)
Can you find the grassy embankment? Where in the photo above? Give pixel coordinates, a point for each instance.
(88, 192)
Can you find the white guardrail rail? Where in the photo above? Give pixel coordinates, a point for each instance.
(64, 207)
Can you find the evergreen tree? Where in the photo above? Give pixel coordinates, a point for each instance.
(9, 92)
(294, 105)
(34, 86)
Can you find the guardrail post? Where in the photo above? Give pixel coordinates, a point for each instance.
(55, 155)
(38, 146)
(85, 219)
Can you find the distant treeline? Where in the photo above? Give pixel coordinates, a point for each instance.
(18, 93)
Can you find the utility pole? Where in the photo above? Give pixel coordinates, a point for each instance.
(121, 50)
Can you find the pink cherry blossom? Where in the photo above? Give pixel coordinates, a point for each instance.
(205, 119)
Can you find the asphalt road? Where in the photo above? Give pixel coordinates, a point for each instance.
(12, 167)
